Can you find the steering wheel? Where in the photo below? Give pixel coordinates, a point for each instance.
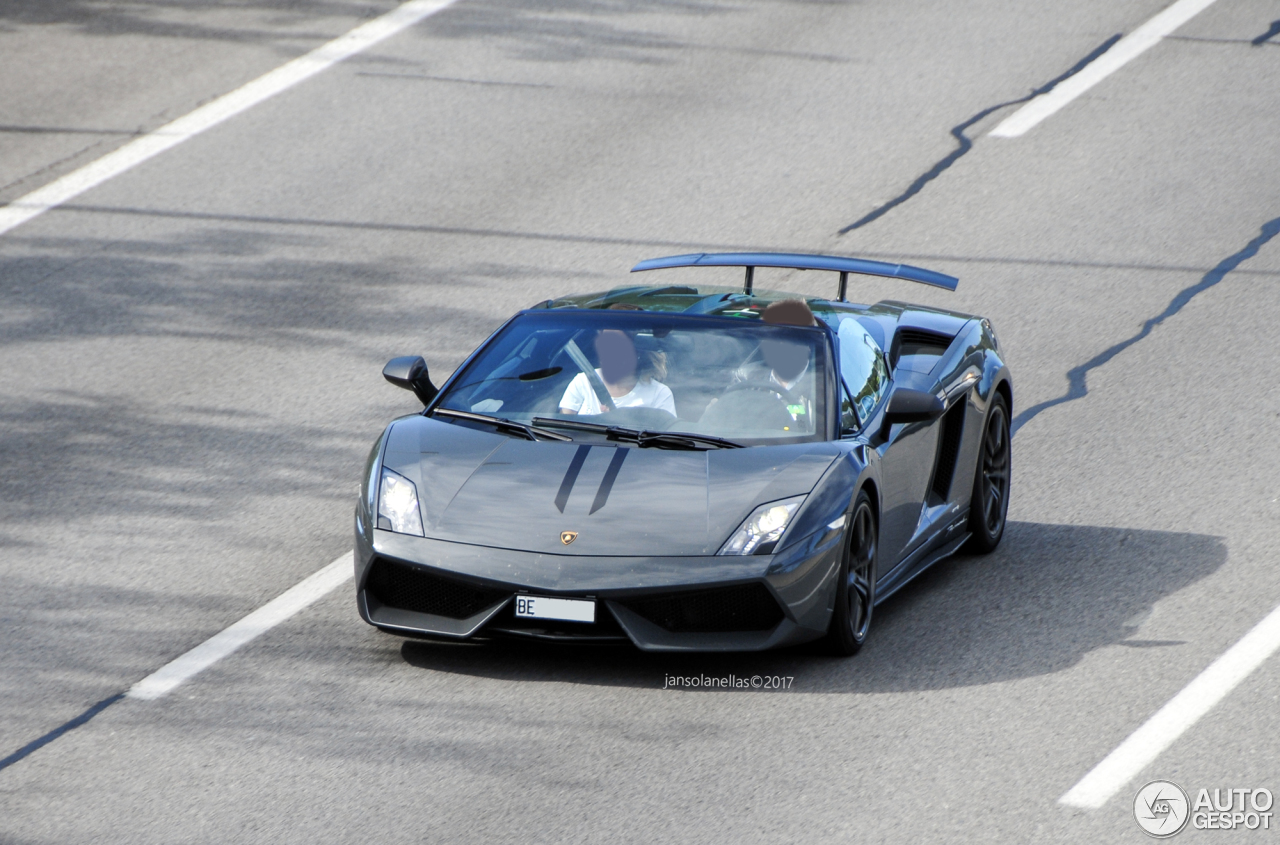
(656, 419)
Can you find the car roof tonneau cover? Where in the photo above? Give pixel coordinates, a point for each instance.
(799, 261)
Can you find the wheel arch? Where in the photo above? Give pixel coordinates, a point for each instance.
(1006, 390)
(869, 486)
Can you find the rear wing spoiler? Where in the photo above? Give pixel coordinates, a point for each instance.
(796, 261)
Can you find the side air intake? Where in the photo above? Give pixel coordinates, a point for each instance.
(948, 450)
(916, 346)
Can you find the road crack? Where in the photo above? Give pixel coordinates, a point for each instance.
(966, 143)
(1268, 35)
(1077, 384)
(66, 726)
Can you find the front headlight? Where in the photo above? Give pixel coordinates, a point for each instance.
(398, 504)
(760, 532)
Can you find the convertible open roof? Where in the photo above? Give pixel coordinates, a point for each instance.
(797, 261)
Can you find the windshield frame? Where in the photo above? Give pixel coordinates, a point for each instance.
(828, 426)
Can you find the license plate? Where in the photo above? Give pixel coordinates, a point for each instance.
(565, 610)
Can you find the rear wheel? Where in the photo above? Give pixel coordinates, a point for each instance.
(990, 502)
(856, 585)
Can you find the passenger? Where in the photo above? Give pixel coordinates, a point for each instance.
(633, 380)
(788, 361)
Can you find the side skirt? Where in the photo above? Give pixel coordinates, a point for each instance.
(906, 572)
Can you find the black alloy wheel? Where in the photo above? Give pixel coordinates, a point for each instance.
(856, 587)
(990, 502)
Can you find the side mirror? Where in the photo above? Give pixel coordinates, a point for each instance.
(909, 406)
(410, 372)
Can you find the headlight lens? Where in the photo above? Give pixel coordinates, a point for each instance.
(398, 504)
(761, 531)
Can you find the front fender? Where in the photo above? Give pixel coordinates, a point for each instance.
(367, 506)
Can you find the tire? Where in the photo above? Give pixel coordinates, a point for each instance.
(856, 582)
(989, 504)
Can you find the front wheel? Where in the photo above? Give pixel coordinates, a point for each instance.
(856, 584)
(989, 504)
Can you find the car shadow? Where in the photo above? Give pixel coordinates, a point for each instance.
(1046, 598)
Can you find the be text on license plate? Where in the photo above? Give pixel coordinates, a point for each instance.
(546, 607)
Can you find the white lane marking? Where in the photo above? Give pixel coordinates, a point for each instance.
(1183, 710)
(211, 114)
(296, 598)
(1125, 50)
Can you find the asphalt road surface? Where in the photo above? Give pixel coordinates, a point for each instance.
(189, 383)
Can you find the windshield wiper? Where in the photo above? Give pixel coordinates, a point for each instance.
(684, 440)
(573, 425)
(528, 431)
(660, 439)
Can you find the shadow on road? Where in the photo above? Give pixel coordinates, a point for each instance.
(1050, 595)
(538, 30)
(258, 21)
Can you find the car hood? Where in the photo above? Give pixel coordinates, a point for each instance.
(488, 489)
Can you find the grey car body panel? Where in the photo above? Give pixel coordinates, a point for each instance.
(490, 515)
(804, 589)
(561, 573)
(484, 484)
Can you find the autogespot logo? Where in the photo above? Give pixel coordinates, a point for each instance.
(1161, 808)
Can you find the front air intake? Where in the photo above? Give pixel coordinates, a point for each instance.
(749, 607)
(406, 587)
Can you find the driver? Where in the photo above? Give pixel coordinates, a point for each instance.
(631, 379)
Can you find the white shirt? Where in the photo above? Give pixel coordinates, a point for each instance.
(579, 396)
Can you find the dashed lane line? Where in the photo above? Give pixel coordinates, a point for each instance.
(298, 597)
(965, 143)
(163, 681)
(1126, 50)
(1171, 721)
(211, 114)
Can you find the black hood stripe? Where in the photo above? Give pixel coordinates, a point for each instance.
(571, 477)
(610, 475)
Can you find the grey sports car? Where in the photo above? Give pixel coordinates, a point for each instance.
(688, 467)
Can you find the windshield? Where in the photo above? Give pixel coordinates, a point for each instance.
(748, 382)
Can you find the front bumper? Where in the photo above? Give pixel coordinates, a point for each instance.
(423, 587)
